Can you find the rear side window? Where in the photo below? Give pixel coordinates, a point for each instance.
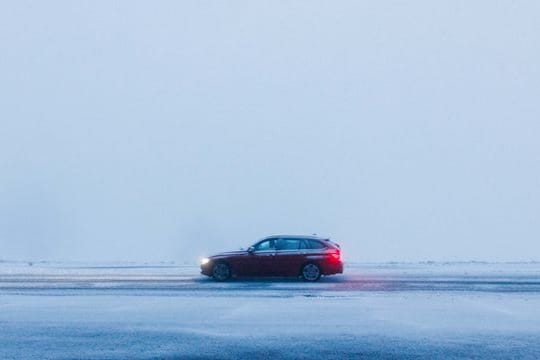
(314, 244)
(287, 244)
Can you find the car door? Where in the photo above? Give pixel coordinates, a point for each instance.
(288, 259)
(261, 259)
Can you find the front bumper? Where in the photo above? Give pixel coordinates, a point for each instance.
(206, 269)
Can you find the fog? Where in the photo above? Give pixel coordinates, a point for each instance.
(151, 131)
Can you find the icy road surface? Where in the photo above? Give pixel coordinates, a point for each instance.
(392, 310)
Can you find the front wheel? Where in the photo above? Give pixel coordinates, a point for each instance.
(221, 271)
(311, 272)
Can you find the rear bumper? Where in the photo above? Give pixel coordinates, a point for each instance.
(333, 268)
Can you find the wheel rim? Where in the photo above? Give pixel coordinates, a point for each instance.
(311, 272)
(221, 271)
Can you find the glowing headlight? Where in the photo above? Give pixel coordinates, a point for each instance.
(205, 261)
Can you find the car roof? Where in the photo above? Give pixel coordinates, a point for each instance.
(310, 237)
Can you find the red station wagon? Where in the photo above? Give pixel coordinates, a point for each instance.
(307, 257)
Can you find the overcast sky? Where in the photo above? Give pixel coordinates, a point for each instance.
(156, 130)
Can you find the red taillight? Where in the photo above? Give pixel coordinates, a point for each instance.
(335, 256)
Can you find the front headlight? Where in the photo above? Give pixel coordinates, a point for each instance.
(205, 261)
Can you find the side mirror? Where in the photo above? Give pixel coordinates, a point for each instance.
(251, 249)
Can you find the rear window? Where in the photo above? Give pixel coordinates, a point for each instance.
(315, 244)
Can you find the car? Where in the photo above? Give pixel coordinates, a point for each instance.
(306, 257)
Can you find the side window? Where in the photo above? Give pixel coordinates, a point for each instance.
(287, 244)
(304, 244)
(314, 244)
(265, 245)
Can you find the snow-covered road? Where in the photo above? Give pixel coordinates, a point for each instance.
(390, 310)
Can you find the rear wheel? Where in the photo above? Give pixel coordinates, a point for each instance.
(221, 271)
(311, 272)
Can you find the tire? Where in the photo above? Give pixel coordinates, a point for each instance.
(221, 271)
(310, 272)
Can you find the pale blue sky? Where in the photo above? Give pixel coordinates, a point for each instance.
(165, 130)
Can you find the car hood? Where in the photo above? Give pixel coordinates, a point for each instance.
(229, 253)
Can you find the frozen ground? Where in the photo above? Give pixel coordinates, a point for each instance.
(391, 310)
